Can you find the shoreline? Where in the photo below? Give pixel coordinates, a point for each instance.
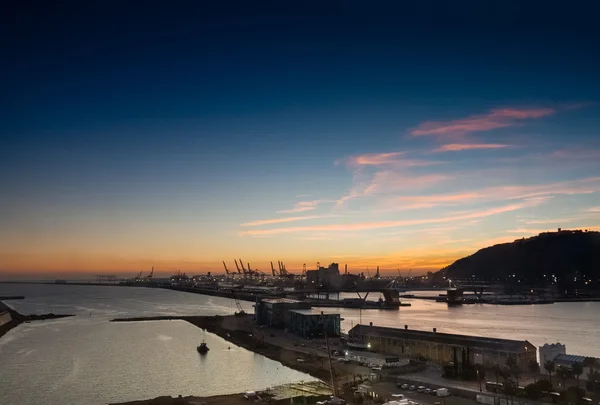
(227, 399)
(16, 318)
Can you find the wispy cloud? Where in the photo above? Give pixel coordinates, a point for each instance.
(283, 220)
(303, 206)
(548, 221)
(389, 182)
(389, 224)
(574, 187)
(391, 159)
(593, 209)
(455, 147)
(494, 119)
(527, 231)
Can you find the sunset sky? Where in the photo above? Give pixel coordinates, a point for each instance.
(404, 136)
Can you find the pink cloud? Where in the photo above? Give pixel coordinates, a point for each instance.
(282, 220)
(376, 159)
(303, 206)
(541, 192)
(454, 147)
(388, 224)
(496, 118)
(393, 159)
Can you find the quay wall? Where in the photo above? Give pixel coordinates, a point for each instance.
(5, 318)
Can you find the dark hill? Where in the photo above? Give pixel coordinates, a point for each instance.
(566, 254)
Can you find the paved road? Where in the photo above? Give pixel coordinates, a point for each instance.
(386, 389)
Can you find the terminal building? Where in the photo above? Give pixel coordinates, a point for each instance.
(296, 317)
(444, 348)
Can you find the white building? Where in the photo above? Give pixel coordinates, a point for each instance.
(549, 353)
(376, 359)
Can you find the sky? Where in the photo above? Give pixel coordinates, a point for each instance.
(403, 135)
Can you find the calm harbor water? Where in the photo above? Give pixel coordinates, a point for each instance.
(575, 324)
(86, 359)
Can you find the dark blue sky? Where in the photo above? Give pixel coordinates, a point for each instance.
(125, 103)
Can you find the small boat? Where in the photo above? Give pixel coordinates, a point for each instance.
(202, 349)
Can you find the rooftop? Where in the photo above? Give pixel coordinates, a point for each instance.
(280, 301)
(569, 359)
(446, 338)
(309, 312)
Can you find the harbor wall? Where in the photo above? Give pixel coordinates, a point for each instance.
(5, 318)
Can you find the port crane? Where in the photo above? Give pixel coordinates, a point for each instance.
(237, 267)
(229, 273)
(273, 270)
(149, 276)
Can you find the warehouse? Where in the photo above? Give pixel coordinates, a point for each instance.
(308, 324)
(444, 348)
(272, 311)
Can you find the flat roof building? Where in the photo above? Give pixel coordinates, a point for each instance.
(443, 348)
(271, 311)
(306, 323)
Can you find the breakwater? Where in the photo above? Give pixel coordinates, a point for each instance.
(9, 318)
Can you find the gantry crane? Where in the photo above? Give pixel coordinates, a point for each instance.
(273, 270)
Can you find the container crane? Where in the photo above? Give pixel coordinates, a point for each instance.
(226, 269)
(273, 270)
(243, 268)
(237, 267)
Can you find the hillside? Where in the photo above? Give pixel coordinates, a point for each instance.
(566, 254)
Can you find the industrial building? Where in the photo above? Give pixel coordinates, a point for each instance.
(444, 348)
(305, 323)
(324, 276)
(295, 316)
(271, 311)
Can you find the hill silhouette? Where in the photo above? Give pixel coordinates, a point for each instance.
(568, 255)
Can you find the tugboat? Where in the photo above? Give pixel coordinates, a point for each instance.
(203, 349)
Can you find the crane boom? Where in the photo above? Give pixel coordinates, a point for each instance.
(237, 267)
(273, 270)
(243, 268)
(226, 269)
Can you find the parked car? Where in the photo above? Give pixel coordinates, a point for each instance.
(404, 386)
(412, 387)
(421, 388)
